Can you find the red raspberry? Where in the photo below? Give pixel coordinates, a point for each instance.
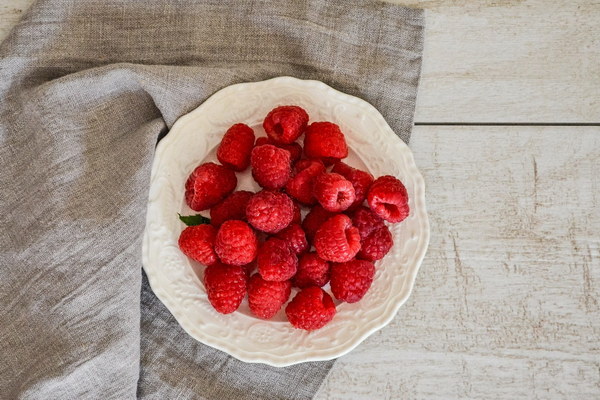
(366, 221)
(265, 298)
(276, 260)
(236, 145)
(351, 280)
(225, 286)
(334, 192)
(325, 140)
(198, 243)
(270, 166)
(270, 211)
(388, 199)
(312, 271)
(233, 207)
(207, 185)
(360, 180)
(310, 309)
(313, 221)
(301, 185)
(285, 124)
(236, 243)
(295, 149)
(297, 219)
(295, 237)
(376, 245)
(337, 240)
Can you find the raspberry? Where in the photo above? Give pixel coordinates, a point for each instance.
(337, 240)
(325, 140)
(388, 198)
(236, 243)
(312, 271)
(351, 280)
(360, 180)
(207, 185)
(310, 309)
(313, 221)
(297, 219)
(285, 124)
(301, 185)
(295, 237)
(376, 245)
(270, 166)
(295, 149)
(233, 207)
(236, 145)
(198, 242)
(276, 260)
(265, 298)
(225, 286)
(366, 221)
(334, 192)
(270, 211)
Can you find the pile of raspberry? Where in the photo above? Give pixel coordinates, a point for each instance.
(257, 244)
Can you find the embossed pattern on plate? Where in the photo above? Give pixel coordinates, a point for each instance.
(176, 281)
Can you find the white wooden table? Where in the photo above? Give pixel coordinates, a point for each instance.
(507, 303)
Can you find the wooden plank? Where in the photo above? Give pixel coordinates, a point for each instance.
(495, 60)
(510, 61)
(507, 302)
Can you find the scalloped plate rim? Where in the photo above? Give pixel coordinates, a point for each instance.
(312, 355)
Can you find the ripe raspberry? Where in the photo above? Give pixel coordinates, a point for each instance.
(334, 192)
(325, 140)
(295, 149)
(265, 298)
(270, 211)
(270, 166)
(376, 245)
(313, 221)
(233, 207)
(207, 185)
(225, 286)
(310, 309)
(388, 198)
(285, 124)
(295, 237)
(360, 180)
(337, 240)
(236, 243)
(276, 260)
(366, 221)
(198, 243)
(312, 271)
(351, 280)
(297, 219)
(301, 185)
(236, 145)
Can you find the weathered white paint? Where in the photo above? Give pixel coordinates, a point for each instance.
(507, 301)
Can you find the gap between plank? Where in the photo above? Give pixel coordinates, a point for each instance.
(507, 123)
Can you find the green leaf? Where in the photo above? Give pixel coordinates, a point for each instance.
(191, 220)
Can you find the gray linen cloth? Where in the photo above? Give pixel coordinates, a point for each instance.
(86, 90)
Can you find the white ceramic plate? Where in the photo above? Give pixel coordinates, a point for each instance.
(177, 281)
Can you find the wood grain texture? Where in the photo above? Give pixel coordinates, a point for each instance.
(510, 61)
(495, 60)
(507, 301)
